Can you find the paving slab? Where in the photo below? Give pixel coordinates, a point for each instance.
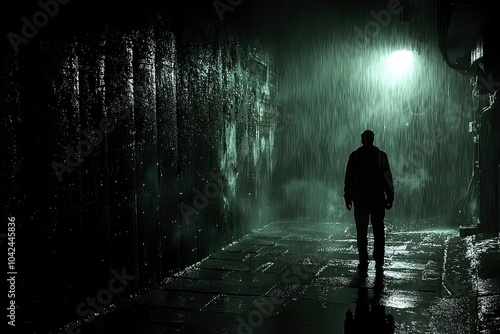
(296, 276)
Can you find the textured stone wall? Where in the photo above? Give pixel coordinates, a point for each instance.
(143, 146)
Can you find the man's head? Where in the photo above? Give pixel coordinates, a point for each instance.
(367, 137)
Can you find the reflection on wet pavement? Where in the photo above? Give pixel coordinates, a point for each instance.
(303, 276)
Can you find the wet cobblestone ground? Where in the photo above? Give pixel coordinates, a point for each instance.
(301, 276)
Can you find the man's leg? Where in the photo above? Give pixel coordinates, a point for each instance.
(377, 218)
(361, 216)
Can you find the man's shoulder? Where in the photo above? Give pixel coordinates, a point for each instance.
(382, 152)
(362, 150)
(355, 153)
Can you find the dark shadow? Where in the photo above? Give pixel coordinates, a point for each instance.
(369, 315)
(369, 190)
(378, 287)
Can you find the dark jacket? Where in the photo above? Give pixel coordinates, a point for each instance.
(368, 178)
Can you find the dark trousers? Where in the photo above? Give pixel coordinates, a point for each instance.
(362, 215)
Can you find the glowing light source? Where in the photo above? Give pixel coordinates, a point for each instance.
(400, 62)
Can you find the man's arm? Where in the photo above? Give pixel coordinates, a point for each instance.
(388, 184)
(349, 179)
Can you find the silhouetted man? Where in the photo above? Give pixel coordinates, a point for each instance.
(368, 184)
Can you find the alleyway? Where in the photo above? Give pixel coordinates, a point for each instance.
(301, 277)
(190, 166)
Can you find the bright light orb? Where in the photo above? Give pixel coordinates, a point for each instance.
(400, 62)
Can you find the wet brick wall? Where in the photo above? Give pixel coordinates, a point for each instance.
(143, 146)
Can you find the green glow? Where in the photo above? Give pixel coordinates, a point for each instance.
(399, 63)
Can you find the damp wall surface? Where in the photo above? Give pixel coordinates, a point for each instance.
(138, 145)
